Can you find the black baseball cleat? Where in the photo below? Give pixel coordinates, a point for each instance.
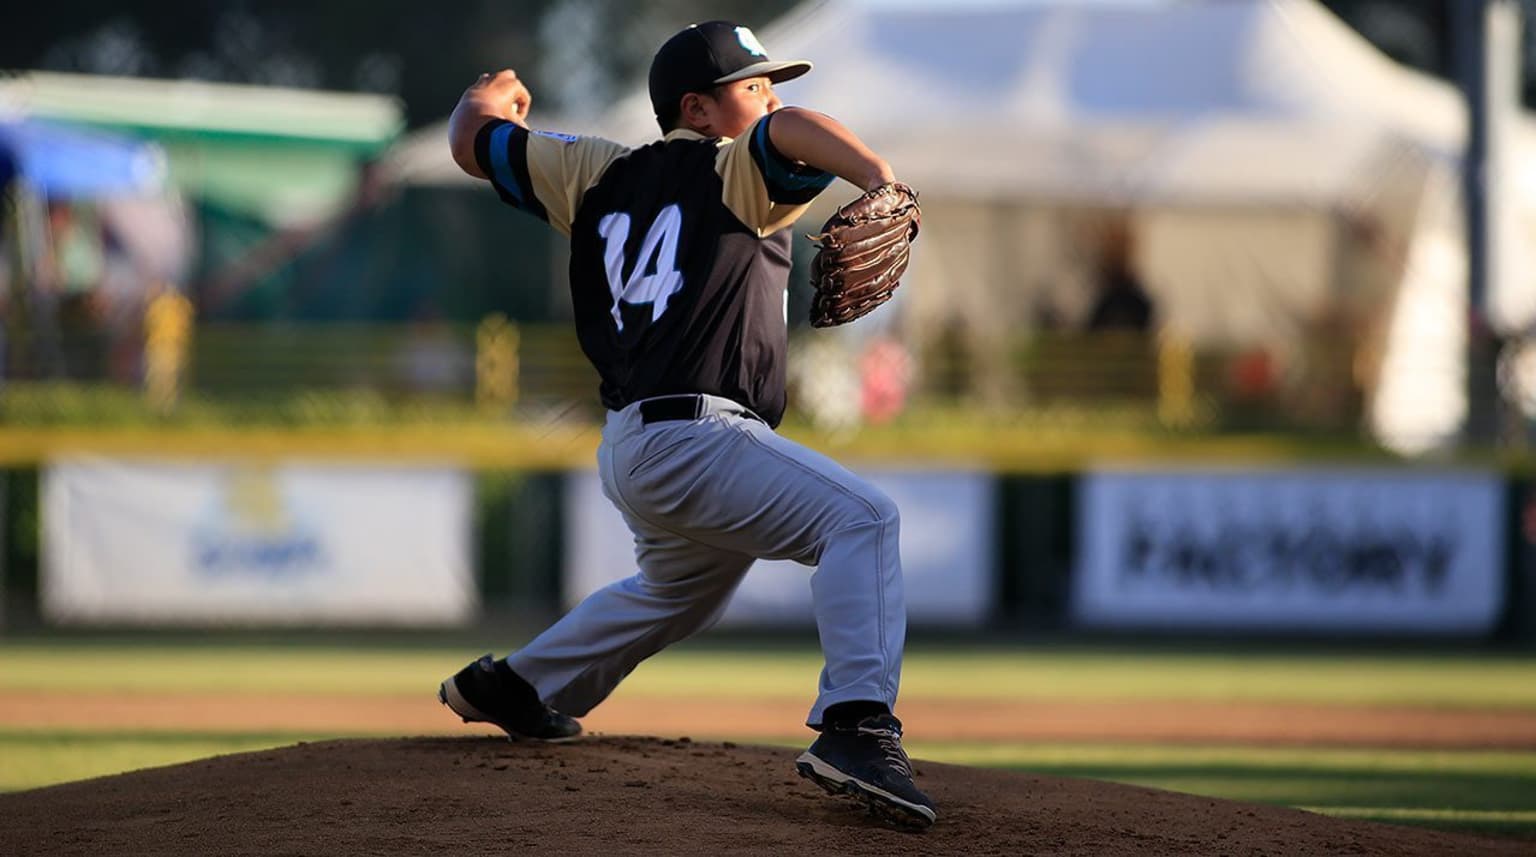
(866, 761)
(488, 691)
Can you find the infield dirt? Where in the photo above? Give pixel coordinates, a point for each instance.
(623, 795)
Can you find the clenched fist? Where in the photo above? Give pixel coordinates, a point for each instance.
(503, 93)
(493, 96)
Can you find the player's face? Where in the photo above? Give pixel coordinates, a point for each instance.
(737, 105)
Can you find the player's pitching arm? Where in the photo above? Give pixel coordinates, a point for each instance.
(494, 96)
(541, 173)
(863, 249)
(826, 144)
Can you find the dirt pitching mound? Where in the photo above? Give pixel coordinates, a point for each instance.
(616, 795)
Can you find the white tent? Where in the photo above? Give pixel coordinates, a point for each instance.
(1283, 173)
(1280, 174)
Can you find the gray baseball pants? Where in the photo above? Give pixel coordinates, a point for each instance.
(704, 499)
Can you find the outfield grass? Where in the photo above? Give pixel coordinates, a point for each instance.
(35, 758)
(1484, 791)
(1488, 792)
(1459, 681)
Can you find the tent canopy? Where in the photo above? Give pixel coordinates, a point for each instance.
(1127, 102)
(162, 109)
(1143, 102)
(288, 157)
(1150, 102)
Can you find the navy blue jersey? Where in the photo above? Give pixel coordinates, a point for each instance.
(680, 254)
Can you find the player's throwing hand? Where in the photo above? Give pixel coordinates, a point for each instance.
(504, 92)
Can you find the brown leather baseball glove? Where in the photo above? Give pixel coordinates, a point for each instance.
(863, 252)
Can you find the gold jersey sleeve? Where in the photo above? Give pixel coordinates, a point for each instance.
(757, 199)
(562, 168)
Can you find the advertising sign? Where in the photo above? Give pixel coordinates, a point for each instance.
(1328, 551)
(150, 542)
(946, 551)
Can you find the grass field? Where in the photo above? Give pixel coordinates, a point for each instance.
(1489, 790)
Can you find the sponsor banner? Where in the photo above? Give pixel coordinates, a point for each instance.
(1335, 552)
(947, 552)
(149, 542)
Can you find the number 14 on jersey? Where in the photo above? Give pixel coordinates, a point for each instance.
(660, 244)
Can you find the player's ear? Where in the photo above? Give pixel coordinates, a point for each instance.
(692, 112)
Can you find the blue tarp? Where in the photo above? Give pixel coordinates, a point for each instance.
(60, 162)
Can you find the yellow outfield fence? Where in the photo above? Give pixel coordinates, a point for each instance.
(497, 362)
(500, 394)
(535, 447)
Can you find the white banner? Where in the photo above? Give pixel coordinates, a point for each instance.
(1341, 552)
(947, 552)
(150, 542)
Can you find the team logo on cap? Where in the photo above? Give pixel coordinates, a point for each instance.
(750, 42)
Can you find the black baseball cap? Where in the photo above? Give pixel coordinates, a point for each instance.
(706, 55)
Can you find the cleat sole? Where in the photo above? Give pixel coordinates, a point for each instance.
(449, 696)
(884, 806)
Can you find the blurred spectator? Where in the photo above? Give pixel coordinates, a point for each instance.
(77, 259)
(1252, 375)
(8, 257)
(103, 260)
(826, 384)
(7, 172)
(885, 369)
(1122, 303)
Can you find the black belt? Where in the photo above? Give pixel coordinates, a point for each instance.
(665, 408)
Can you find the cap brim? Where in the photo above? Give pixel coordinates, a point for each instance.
(778, 72)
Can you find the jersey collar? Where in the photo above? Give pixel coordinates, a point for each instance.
(689, 134)
(683, 134)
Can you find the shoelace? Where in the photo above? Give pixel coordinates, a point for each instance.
(890, 744)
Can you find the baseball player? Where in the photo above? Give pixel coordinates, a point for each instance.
(680, 260)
